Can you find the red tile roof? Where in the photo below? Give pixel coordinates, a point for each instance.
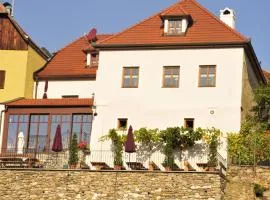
(206, 29)
(2, 8)
(267, 75)
(50, 102)
(176, 10)
(70, 62)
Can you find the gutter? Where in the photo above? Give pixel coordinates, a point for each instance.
(171, 45)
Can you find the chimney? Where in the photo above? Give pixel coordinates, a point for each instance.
(228, 17)
(8, 7)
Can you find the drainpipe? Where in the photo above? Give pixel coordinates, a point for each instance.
(1, 133)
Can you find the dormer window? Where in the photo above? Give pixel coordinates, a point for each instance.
(92, 59)
(175, 26)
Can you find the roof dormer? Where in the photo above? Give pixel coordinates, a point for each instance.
(176, 21)
(175, 26)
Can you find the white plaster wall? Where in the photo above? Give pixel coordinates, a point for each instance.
(56, 89)
(152, 106)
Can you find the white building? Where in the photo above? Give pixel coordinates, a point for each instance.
(180, 67)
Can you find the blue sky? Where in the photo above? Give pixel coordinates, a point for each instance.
(54, 23)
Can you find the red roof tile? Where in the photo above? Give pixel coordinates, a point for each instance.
(175, 10)
(70, 61)
(206, 29)
(2, 8)
(267, 75)
(50, 102)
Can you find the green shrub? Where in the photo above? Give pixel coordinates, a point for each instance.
(73, 151)
(117, 145)
(259, 190)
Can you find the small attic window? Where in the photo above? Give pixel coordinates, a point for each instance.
(175, 26)
(227, 12)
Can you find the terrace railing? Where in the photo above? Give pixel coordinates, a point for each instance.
(102, 160)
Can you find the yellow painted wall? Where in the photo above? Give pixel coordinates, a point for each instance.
(34, 62)
(19, 67)
(14, 62)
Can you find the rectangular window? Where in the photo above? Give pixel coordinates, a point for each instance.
(130, 77)
(81, 126)
(16, 124)
(175, 26)
(207, 76)
(37, 138)
(94, 60)
(189, 123)
(65, 123)
(122, 123)
(39, 130)
(171, 77)
(2, 79)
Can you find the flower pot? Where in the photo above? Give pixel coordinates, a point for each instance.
(211, 169)
(87, 152)
(151, 167)
(168, 168)
(72, 166)
(117, 167)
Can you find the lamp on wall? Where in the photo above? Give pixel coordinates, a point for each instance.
(94, 107)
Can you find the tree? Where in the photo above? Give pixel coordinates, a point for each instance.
(73, 151)
(252, 145)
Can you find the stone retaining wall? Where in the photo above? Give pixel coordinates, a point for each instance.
(94, 185)
(241, 180)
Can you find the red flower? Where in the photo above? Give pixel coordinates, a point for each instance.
(82, 145)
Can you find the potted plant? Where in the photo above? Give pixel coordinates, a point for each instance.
(84, 147)
(117, 147)
(151, 166)
(170, 140)
(73, 153)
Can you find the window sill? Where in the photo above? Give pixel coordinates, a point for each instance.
(206, 86)
(170, 87)
(174, 34)
(129, 87)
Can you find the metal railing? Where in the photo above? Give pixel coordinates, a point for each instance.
(105, 160)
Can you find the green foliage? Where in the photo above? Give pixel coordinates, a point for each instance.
(177, 138)
(252, 145)
(149, 140)
(262, 107)
(211, 136)
(249, 148)
(73, 151)
(259, 190)
(117, 145)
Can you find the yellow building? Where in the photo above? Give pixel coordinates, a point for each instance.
(20, 57)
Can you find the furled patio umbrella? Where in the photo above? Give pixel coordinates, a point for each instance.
(57, 141)
(130, 146)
